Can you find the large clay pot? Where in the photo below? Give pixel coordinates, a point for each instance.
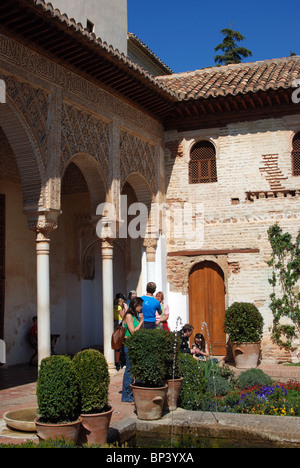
(246, 355)
(174, 386)
(94, 428)
(149, 401)
(68, 431)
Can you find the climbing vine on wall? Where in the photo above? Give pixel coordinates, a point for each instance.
(285, 298)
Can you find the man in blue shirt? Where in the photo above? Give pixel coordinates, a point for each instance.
(150, 307)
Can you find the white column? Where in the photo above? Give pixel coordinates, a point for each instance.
(108, 300)
(43, 298)
(43, 223)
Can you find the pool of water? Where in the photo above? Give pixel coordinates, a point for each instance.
(151, 440)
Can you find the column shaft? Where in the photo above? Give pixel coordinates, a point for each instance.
(108, 301)
(43, 299)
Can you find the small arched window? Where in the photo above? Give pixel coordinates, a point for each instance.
(203, 164)
(296, 155)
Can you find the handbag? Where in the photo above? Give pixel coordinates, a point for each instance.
(117, 337)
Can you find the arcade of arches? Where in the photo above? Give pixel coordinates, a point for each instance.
(52, 178)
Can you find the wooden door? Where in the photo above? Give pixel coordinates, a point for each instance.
(2, 263)
(207, 304)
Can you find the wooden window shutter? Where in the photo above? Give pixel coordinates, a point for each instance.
(296, 155)
(203, 164)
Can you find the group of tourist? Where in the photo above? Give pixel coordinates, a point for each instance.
(149, 312)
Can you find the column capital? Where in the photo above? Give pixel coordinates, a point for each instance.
(43, 222)
(107, 246)
(150, 244)
(107, 243)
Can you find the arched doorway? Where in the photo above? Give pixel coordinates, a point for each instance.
(135, 190)
(17, 242)
(207, 304)
(76, 253)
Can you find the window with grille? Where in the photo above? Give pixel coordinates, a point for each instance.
(203, 164)
(296, 155)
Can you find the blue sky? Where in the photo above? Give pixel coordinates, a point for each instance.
(184, 33)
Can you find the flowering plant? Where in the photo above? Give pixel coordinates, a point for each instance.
(279, 399)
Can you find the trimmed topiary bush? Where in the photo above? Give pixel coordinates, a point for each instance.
(148, 357)
(57, 391)
(253, 377)
(243, 323)
(93, 378)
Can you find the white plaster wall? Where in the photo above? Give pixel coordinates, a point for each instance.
(179, 313)
(108, 16)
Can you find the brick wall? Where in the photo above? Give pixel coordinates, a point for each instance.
(255, 189)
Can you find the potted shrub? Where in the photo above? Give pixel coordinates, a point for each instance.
(173, 375)
(93, 378)
(244, 325)
(58, 400)
(148, 361)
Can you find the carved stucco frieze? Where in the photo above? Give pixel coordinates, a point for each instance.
(84, 112)
(33, 104)
(137, 155)
(84, 133)
(76, 87)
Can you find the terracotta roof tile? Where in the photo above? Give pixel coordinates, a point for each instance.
(234, 79)
(229, 80)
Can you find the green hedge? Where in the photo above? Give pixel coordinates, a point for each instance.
(93, 378)
(243, 323)
(57, 390)
(149, 357)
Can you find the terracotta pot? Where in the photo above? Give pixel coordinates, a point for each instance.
(246, 355)
(68, 431)
(149, 401)
(174, 386)
(94, 428)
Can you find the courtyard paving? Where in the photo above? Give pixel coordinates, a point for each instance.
(18, 390)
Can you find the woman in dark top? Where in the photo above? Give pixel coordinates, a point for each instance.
(200, 347)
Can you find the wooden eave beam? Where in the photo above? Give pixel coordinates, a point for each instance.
(197, 253)
(257, 108)
(33, 27)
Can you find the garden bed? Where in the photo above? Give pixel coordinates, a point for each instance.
(279, 399)
(210, 386)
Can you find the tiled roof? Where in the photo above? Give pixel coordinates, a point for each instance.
(103, 46)
(228, 80)
(176, 96)
(133, 38)
(234, 79)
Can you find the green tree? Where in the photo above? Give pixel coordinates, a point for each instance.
(232, 52)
